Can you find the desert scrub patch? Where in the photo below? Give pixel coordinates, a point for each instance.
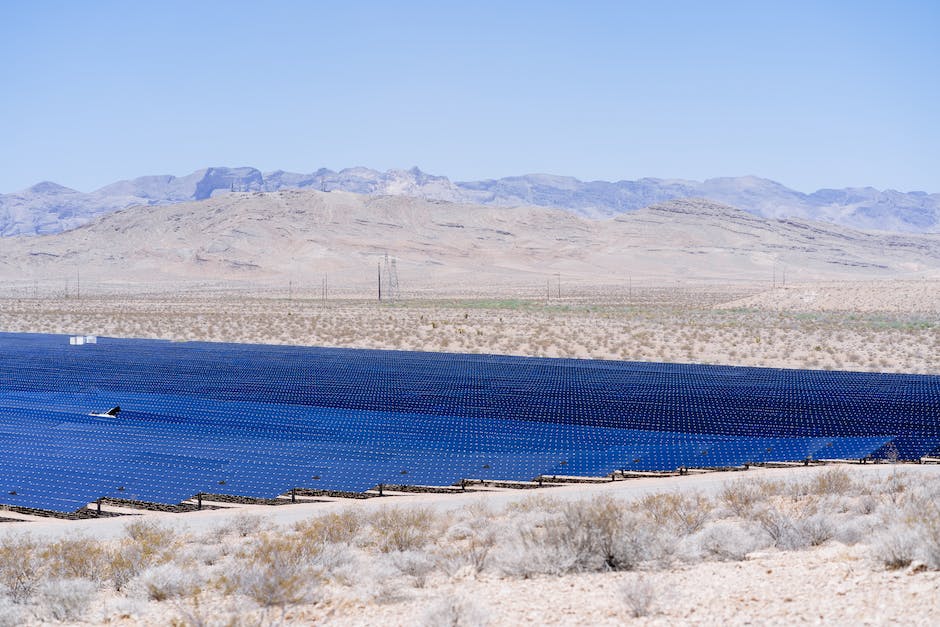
(147, 544)
(591, 535)
(333, 528)
(20, 566)
(274, 570)
(76, 558)
(680, 512)
(65, 599)
(402, 529)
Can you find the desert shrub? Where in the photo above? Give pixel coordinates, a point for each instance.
(817, 528)
(723, 541)
(150, 534)
(930, 547)
(274, 584)
(65, 599)
(893, 489)
(454, 611)
(275, 570)
(147, 544)
(470, 540)
(742, 496)
(76, 558)
(375, 578)
(639, 595)
(534, 503)
(206, 554)
(582, 536)
(832, 481)
(416, 565)
(791, 531)
(341, 527)
(682, 513)
(855, 528)
(244, 525)
(912, 533)
(895, 547)
(402, 529)
(20, 567)
(165, 581)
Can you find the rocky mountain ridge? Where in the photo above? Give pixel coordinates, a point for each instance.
(50, 208)
(303, 235)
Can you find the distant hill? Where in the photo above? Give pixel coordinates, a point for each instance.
(50, 208)
(302, 235)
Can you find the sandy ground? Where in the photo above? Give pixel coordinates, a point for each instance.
(896, 327)
(830, 585)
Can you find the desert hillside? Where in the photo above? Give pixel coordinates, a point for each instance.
(305, 236)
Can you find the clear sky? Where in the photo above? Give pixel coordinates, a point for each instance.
(812, 94)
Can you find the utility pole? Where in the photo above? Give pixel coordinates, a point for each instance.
(290, 290)
(558, 276)
(380, 280)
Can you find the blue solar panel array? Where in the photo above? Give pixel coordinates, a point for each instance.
(256, 421)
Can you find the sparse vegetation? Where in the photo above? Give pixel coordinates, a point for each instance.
(703, 325)
(402, 554)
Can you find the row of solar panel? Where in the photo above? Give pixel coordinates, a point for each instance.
(68, 460)
(414, 382)
(258, 420)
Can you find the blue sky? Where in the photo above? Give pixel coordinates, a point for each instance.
(812, 94)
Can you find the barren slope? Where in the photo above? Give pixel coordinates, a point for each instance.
(270, 238)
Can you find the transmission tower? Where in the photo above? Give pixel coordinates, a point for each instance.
(391, 278)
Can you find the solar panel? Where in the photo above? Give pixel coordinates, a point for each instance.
(256, 421)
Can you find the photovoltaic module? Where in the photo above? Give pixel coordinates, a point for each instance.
(259, 420)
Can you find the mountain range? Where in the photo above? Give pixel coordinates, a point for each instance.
(47, 207)
(249, 238)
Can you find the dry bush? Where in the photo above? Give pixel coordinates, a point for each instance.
(165, 581)
(402, 529)
(912, 531)
(795, 530)
(20, 566)
(76, 558)
(639, 595)
(834, 481)
(335, 528)
(65, 599)
(274, 571)
(723, 541)
(147, 544)
(895, 547)
(742, 496)
(454, 611)
(582, 536)
(534, 503)
(244, 525)
(417, 566)
(682, 513)
(470, 539)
